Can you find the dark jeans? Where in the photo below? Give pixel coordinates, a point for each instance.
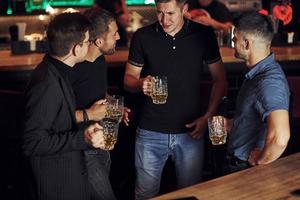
(98, 167)
(233, 164)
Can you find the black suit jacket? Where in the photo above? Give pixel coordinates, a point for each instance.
(51, 140)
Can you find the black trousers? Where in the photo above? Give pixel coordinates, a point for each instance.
(98, 167)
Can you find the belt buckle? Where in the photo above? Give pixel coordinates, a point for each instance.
(236, 162)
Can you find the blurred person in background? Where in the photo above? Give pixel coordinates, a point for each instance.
(286, 16)
(211, 13)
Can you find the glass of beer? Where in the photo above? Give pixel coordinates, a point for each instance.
(217, 130)
(115, 108)
(159, 92)
(110, 133)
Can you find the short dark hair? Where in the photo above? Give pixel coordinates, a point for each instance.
(255, 24)
(100, 19)
(166, 1)
(64, 31)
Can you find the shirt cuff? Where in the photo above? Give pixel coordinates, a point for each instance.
(213, 60)
(135, 63)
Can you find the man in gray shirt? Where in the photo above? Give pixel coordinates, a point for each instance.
(260, 130)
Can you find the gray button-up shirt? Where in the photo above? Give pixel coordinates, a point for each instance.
(264, 90)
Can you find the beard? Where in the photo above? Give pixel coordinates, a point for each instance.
(239, 55)
(109, 51)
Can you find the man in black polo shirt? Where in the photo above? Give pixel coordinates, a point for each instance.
(174, 47)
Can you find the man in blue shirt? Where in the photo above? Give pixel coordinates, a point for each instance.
(260, 129)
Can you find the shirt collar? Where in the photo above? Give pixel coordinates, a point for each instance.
(63, 68)
(259, 67)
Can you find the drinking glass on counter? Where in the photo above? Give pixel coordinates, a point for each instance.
(217, 130)
(159, 92)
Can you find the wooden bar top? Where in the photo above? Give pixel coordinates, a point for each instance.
(277, 181)
(9, 62)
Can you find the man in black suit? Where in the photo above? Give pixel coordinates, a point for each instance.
(51, 140)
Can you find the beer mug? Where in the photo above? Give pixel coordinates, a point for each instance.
(110, 132)
(115, 108)
(159, 92)
(217, 130)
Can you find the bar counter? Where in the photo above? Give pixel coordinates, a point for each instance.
(278, 180)
(9, 62)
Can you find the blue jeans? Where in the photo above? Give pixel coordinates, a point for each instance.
(98, 167)
(152, 150)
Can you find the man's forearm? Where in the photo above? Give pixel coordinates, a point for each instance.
(273, 149)
(220, 25)
(277, 138)
(217, 93)
(219, 87)
(132, 84)
(42, 142)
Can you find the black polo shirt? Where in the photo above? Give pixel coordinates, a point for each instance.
(180, 58)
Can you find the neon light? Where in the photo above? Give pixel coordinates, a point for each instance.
(139, 2)
(32, 5)
(9, 10)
